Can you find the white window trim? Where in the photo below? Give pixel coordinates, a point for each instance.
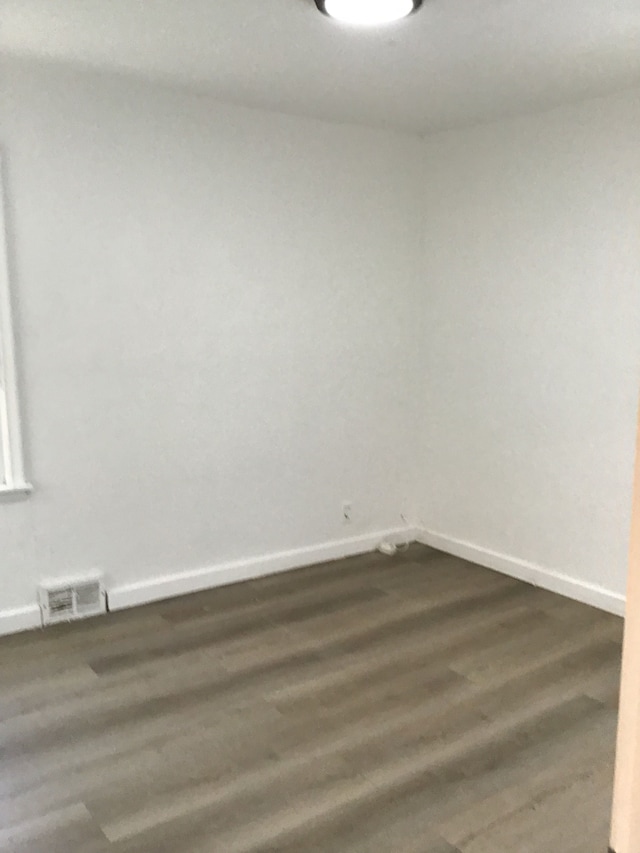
(10, 427)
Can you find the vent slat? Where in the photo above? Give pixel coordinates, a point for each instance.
(61, 600)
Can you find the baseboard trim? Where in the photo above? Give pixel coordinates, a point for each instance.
(533, 573)
(19, 619)
(183, 583)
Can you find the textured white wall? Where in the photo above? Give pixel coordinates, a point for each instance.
(531, 320)
(211, 309)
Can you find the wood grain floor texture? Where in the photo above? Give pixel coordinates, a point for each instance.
(417, 704)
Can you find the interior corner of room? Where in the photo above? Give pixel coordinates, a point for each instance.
(340, 287)
(230, 326)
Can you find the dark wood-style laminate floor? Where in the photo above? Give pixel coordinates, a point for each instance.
(418, 704)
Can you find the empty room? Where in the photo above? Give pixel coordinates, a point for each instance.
(319, 374)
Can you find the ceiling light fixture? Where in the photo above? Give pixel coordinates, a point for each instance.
(368, 13)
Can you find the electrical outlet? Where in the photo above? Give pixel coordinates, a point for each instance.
(346, 512)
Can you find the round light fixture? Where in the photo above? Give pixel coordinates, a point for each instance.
(368, 13)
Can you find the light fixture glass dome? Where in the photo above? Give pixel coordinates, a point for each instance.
(368, 13)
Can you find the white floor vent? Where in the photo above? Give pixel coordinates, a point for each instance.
(72, 598)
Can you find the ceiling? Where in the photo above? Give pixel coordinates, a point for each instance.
(455, 62)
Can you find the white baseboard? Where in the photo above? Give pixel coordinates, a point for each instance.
(182, 583)
(554, 581)
(19, 619)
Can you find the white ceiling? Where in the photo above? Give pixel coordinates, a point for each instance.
(455, 62)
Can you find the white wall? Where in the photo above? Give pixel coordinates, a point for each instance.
(531, 307)
(227, 325)
(212, 314)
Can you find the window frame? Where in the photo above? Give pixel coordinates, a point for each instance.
(13, 479)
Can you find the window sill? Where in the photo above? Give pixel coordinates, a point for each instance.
(17, 490)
